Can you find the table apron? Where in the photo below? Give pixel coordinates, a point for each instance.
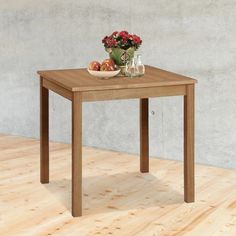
(132, 93)
(114, 94)
(57, 89)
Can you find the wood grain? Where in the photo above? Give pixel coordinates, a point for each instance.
(76, 154)
(189, 144)
(44, 134)
(79, 86)
(144, 136)
(57, 89)
(132, 93)
(119, 200)
(81, 80)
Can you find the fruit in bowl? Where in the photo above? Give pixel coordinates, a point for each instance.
(108, 65)
(106, 69)
(94, 65)
(109, 62)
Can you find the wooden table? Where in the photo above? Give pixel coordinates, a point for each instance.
(78, 86)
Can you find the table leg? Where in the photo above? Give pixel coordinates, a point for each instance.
(144, 136)
(44, 134)
(189, 144)
(76, 154)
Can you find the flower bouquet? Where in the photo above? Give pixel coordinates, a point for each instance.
(121, 46)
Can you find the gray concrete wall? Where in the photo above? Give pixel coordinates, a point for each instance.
(194, 38)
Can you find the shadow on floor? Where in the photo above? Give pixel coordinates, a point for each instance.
(121, 191)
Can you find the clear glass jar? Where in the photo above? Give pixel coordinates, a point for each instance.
(140, 68)
(130, 69)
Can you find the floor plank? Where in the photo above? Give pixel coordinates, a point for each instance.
(117, 199)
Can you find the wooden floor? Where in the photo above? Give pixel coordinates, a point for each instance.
(117, 199)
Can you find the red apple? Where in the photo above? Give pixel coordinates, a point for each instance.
(109, 62)
(94, 65)
(107, 67)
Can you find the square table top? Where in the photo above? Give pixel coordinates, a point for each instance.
(81, 80)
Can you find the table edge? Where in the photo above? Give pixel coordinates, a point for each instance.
(188, 81)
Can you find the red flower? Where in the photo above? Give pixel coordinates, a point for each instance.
(136, 39)
(110, 42)
(115, 33)
(123, 33)
(122, 39)
(104, 39)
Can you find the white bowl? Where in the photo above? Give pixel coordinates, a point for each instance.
(104, 74)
